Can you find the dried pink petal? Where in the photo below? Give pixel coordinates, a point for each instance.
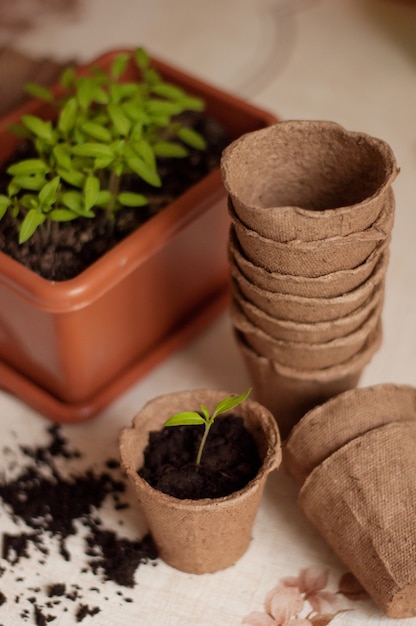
(282, 603)
(312, 578)
(290, 581)
(323, 601)
(321, 620)
(259, 619)
(298, 621)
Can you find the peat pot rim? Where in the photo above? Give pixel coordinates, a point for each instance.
(330, 285)
(249, 328)
(354, 319)
(367, 287)
(376, 233)
(141, 423)
(373, 406)
(295, 149)
(320, 376)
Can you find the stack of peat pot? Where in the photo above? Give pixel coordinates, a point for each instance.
(312, 210)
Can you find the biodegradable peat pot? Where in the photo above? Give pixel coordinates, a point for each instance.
(289, 393)
(70, 348)
(302, 355)
(325, 429)
(199, 536)
(308, 332)
(312, 259)
(327, 286)
(362, 499)
(304, 309)
(308, 180)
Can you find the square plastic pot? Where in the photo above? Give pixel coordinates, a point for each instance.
(69, 348)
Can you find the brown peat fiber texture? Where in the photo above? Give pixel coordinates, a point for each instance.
(362, 499)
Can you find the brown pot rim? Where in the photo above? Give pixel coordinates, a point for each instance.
(244, 325)
(327, 214)
(335, 372)
(312, 283)
(351, 296)
(271, 460)
(362, 400)
(376, 233)
(362, 310)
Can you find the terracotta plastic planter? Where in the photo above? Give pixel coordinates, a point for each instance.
(199, 536)
(70, 348)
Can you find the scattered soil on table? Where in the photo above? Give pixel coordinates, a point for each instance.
(49, 506)
(229, 461)
(75, 245)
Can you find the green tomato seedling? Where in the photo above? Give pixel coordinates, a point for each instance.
(188, 418)
(106, 129)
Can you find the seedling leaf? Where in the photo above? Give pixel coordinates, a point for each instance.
(132, 199)
(230, 403)
(62, 215)
(192, 138)
(119, 65)
(39, 127)
(32, 220)
(93, 150)
(186, 418)
(142, 169)
(28, 167)
(141, 58)
(170, 149)
(91, 190)
(31, 183)
(47, 194)
(68, 116)
(96, 131)
(192, 417)
(5, 202)
(205, 412)
(72, 177)
(120, 121)
(38, 91)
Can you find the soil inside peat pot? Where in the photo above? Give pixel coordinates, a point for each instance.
(73, 246)
(229, 461)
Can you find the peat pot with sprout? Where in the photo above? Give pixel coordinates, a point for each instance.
(198, 461)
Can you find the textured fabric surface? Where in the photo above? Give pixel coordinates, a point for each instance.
(341, 60)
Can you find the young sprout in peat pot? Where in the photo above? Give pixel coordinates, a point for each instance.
(188, 418)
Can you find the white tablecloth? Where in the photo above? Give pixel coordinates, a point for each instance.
(350, 61)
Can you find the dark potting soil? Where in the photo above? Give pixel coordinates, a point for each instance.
(75, 245)
(51, 506)
(229, 461)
